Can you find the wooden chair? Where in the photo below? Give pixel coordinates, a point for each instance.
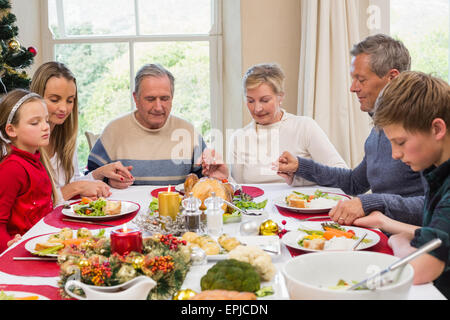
(91, 138)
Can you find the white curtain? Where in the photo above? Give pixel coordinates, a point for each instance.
(329, 30)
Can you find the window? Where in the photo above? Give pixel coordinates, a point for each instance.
(104, 43)
(423, 26)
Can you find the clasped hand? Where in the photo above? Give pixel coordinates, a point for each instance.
(213, 165)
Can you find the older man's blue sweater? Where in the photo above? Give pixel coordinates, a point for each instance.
(396, 190)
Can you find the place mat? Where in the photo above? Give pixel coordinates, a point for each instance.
(49, 292)
(55, 219)
(254, 192)
(381, 247)
(29, 268)
(299, 215)
(155, 192)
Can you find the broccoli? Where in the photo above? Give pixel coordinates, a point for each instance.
(231, 274)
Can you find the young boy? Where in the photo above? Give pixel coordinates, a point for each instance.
(414, 112)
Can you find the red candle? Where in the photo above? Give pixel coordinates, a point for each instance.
(124, 240)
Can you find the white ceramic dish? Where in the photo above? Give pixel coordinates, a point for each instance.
(291, 238)
(23, 294)
(31, 244)
(126, 208)
(281, 202)
(311, 276)
(195, 274)
(271, 243)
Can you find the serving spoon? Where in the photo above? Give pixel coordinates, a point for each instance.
(427, 247)
(251, 212)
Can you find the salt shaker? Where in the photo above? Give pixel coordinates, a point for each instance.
(214, 215)
(192, 213)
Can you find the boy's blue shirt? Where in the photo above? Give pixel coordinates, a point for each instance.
(436, 219)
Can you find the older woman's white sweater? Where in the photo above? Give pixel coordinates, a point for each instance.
(254, 148)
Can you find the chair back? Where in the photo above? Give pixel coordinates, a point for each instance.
(91, 138)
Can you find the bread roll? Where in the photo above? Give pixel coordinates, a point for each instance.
(113, 207)
(314, 244)
(297, 203)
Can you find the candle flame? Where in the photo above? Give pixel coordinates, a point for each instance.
(168, 189)
(125, 229)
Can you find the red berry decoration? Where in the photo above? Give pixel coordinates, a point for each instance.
(32, 50)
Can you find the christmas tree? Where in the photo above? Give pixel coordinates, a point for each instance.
(13, 57)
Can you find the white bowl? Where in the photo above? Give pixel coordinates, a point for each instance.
(310, 276)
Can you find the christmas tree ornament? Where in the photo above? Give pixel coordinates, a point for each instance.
(33, 51)
(14, 44)
(184, 294)
(268, 228)
(83, 263)
(198, 256)
(249, 228)
(138, 262)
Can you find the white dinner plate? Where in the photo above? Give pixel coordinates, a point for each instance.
(23, 294)
(281, 202)
(31, 244)
(271, 243)
(126, 208)
(180, 188)
(291, 238)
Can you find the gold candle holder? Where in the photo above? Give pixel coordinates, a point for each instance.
(169, 203)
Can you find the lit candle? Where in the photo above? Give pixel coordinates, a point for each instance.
(125, 240)
(169, 203)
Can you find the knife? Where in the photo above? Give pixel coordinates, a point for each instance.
(89, 222)
(35, 258)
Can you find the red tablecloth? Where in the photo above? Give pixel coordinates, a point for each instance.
(49, 292)
(55, 217)
(381, 246)
(251, 191)
(29, 268)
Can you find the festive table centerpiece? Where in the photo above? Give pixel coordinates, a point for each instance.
(164, 258)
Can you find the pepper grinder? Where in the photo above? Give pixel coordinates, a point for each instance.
(214, 214)
(192, 213)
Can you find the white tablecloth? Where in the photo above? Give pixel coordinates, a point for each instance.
(142, 195)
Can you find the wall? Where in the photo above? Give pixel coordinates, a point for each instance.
(271, 33)
(28, 22)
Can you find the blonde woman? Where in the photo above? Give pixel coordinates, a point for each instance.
(57, 85)
(255, 147)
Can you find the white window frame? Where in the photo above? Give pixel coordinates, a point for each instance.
(214, 37)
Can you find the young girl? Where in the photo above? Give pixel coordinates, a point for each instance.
(26, 188)
(57, 85)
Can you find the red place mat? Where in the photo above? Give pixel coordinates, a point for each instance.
(298, 215)
(155, 192)
(381, 246)
(254, 192)
(47, 291)
(27, 268)
(251, 191)
(55, 217)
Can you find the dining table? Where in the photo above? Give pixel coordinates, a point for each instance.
(41, 277)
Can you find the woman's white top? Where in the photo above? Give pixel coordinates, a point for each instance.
(60, 175)
(254, 148)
